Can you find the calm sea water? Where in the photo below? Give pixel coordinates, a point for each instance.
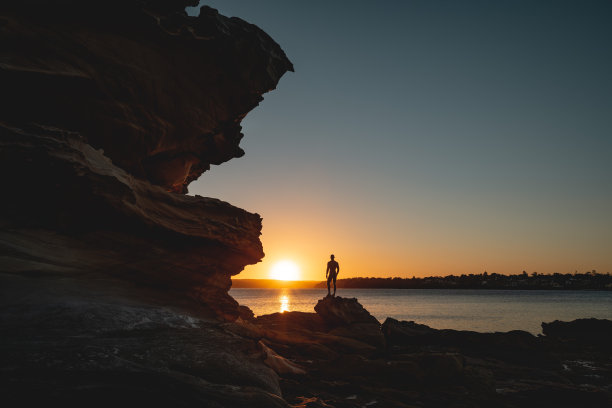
(479, 310)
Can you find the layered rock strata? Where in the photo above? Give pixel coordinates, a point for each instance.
(161, 92)
(114, 283)
(100, 121)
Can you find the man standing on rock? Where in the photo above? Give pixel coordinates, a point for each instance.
(333, 269)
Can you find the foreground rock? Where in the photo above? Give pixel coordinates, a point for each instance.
(114, 289)
(508, 345)
(74, 345)
(113, 286)
(348, 318)
(339, 311)
(587, 331)
(418, 366)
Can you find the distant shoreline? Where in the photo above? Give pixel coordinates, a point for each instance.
(586, 281)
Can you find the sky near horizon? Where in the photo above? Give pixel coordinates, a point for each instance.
(421, 138)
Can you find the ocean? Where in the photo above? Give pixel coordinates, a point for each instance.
(479, 310)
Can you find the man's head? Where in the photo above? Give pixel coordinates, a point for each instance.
(332, 256)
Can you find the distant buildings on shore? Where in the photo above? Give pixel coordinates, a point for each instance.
(589, 280)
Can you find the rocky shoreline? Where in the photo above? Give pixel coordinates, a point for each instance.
(98, 348)
(350, 360)
(114, 283)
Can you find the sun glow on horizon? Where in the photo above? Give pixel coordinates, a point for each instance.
(285, 270)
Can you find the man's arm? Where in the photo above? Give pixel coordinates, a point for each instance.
(327, 271)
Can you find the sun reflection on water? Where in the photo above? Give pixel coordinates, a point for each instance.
(284, 303)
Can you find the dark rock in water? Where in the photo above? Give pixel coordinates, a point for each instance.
(113, 286)
(402, 334)
(594, 331)
(398, 332)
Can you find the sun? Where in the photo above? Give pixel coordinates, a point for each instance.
(285, 270)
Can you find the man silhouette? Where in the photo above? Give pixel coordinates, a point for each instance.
(333, 269)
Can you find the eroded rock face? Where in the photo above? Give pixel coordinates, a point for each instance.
(161, 92)
(73, 213)
(113, 285)
(99, 121)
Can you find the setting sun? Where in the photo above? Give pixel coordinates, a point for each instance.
(285, 270)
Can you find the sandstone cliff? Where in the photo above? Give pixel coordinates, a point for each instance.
(112, 280)
(107, 110)
(161, 92)
(113, 284)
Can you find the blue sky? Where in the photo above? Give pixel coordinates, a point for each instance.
(430, 137)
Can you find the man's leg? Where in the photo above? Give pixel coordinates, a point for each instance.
(334, 286)
(328, 282)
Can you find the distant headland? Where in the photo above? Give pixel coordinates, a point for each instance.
(591, 280)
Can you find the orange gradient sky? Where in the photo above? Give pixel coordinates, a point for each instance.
(429, 138)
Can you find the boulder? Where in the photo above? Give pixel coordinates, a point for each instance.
(348, 318)
(515, 344)
(339, 311)
(403, 332)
